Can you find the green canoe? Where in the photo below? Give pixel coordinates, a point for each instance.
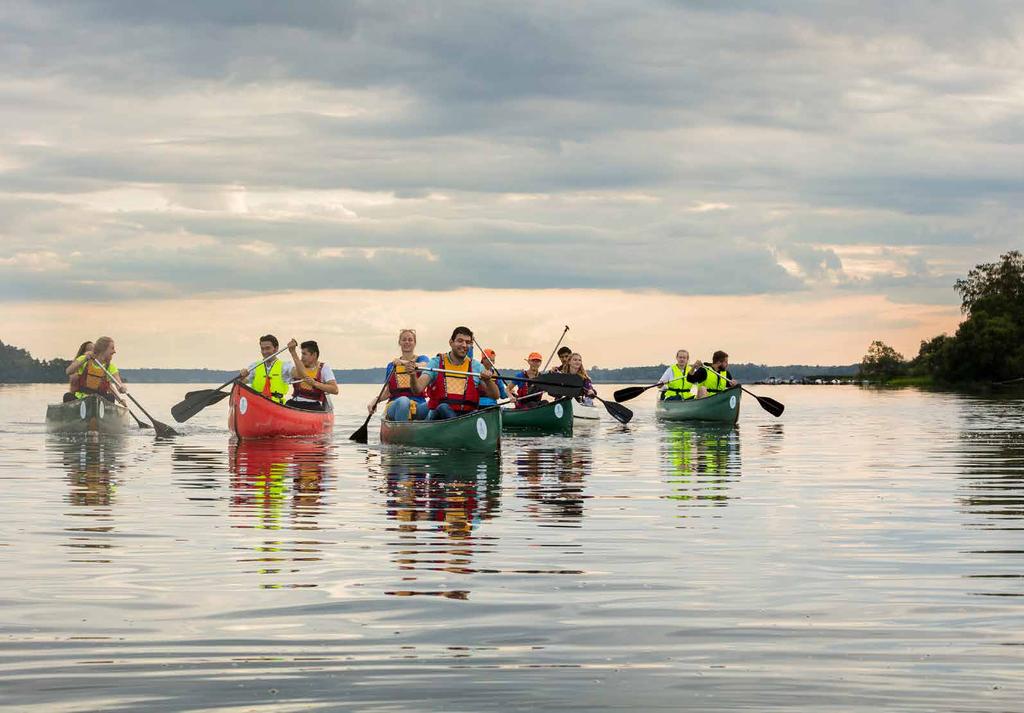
(93, 414)
(720, 408)
(478, 431)
(551, 418)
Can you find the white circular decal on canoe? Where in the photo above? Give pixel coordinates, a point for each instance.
(559, 410)
(81, 409)
(481, 429)
(732, 401)
(243, 404)
(101, 408)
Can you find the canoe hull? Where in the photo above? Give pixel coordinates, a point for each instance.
(479, 432)
(584, 412)
(720, 408)
(253, 415)
(92, 414)
(551, 418)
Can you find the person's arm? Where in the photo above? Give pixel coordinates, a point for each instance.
(486, 380)
(665, 378)
(299, 372)
(421, 380)
(329, 385)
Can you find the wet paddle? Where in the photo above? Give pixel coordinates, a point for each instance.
(196, 401)
(770, 405)
(617, 411)
(555, 350)
(631, 392)
(362, 433)
(162, 429)
(142, 424)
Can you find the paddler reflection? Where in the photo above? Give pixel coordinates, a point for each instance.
(438, 503)
(91, 466)
(277, 485)
(699, 462)
(553, 480)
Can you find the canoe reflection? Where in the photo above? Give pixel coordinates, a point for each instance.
(277, 485)
(553, 480)
(438, 503)
(699, 463)
(91, 465)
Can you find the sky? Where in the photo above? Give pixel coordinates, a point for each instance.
(785, 181)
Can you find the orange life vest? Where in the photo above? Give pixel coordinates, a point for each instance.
(459, 392)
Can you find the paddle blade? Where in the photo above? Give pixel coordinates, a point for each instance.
(361, 435)
(771, 405)
(196, 401)
(630, 392)
(617, 411)
(559, 391)
(163, 430)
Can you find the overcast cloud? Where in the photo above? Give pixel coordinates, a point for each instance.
(159, 149)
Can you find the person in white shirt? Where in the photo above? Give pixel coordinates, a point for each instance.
(675, 382)
(314, 379)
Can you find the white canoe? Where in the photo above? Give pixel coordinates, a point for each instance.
(585, 412)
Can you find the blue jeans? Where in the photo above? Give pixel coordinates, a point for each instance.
(398, 410)
(441, 413)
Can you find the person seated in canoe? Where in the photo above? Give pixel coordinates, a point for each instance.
(269, 378)
(83, 355)
(714, 379)
(404, 404)
(98, 378)
(488, 363)
(312, 378)
(529, 395)
(575, 366)
(678, 383)
(449, 395)
(564, 354)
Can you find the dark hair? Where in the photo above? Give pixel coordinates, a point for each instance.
(269, 338)
(718, 356)
(311, 346)
(462, 330)
(564, 350)
(81, 349)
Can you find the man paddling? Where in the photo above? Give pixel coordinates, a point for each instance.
(714, 380)
(677, 383)
(314, 378)
(269, 378)
(564, 355)
(450, 395)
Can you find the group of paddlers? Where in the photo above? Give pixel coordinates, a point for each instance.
(453, 383)
(417, 387)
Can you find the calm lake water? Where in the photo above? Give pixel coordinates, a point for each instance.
(863, 552)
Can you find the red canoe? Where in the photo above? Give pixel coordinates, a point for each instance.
(253, 415)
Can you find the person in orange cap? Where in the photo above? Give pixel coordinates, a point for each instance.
(529, 395)
(488, 362)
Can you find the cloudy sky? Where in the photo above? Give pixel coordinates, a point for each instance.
(786, 184)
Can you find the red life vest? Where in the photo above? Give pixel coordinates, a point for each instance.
(438, 393)
(396, 390)
(524, 389)
(311, 393)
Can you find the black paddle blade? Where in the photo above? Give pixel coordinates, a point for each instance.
(163, 430)
(617, 411)
(196, 401)
(559, 391)
(630, 392)
(771, 405)
(361, 435)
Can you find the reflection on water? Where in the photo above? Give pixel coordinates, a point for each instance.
(91, 465)
(700, 462)
(438, 503)
(552, 480)
(278, 485)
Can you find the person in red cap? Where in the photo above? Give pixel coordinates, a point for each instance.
(529, 395)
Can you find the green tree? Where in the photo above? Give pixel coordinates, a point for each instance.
(994, 287)
(881, 363)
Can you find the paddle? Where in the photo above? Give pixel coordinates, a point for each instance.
(362, 433)
(162, 429)
(617, 411)
(555, 350)
(142, 424)
(555, 383)
(770, 405)
(196, 401)
(631, 392)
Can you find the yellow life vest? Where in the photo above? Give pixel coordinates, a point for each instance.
(716, 383)
(270, 383)
(455, 385)
(92, 379)
(678, 386)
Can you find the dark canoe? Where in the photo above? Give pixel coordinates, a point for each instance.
(720, 408)
(479, 431)
(92, 414)
(551, 418)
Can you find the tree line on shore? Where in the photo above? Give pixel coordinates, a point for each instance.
(988, 346)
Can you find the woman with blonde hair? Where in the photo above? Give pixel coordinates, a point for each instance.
(574, 365)
(404, 403)
(98, 378)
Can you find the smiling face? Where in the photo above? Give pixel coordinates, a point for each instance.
(267, 348)
(460, 345)
(407, 341)
(575, 363)
(534, 364)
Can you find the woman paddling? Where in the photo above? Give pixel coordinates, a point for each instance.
(404, 403)
(529, 395)
(574, 365)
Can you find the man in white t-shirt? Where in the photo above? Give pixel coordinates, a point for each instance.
(313, 379)
(675, 382)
